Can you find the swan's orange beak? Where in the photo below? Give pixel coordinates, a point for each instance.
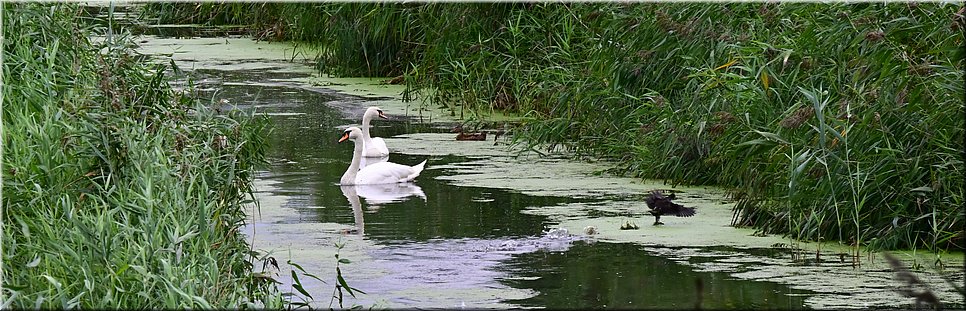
(344, 137)
(381, 115)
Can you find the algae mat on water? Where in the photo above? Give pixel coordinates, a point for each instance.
(237, 54)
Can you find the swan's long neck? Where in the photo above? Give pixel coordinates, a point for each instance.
(366, 119)
(349, 178)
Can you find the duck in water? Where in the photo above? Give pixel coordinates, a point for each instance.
(660, 204)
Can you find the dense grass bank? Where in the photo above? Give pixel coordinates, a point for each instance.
(835, 122)
(118, 192)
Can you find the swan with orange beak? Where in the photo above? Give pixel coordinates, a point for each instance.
(373, 146)
(377, 173)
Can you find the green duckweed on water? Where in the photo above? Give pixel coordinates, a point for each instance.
(237, 54)
(228, 53)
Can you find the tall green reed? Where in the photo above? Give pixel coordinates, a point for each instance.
(118, 191)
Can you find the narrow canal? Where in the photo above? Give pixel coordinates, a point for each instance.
(483, 227)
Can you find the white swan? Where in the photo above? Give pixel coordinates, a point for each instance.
(373, 147)
(366, 161)
(376, 173)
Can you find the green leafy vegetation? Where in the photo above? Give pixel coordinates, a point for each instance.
(833, 122)
(118, 191)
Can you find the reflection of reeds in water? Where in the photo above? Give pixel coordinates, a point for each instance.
(699, 292)
(911, 285)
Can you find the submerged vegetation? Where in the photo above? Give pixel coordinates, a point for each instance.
(835, 122)
(118, 191)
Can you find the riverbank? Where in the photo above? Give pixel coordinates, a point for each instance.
(118, 191)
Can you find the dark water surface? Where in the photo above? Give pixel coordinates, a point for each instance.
(618, 275)
(461, 236)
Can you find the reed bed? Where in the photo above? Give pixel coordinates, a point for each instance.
(833, 122)
(118, 192)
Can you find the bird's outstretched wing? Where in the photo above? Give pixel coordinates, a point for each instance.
(684, 211)
(661, 204)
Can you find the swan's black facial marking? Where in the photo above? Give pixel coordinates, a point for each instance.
(345, 136)
(381, 115)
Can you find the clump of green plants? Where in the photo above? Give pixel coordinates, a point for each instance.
(118, 191)
(298, 296)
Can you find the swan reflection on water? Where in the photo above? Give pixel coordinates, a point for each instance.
(376, 195)
(388, 193)
(349, 191)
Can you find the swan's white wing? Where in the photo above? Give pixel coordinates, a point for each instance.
(387, 173)
(377, 148)
(366, 161)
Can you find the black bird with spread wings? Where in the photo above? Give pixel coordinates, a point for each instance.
(660, 204)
